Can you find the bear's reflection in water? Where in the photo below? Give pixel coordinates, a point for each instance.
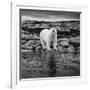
(39, 64)
(48, 64)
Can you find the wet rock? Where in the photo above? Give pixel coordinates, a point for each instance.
(76, 61)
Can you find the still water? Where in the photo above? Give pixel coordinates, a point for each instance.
(38, 64)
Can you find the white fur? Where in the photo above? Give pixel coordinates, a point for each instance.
(48, 36)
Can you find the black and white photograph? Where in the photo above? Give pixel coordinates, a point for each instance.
(49, 43)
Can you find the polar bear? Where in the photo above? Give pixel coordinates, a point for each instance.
(48, 37)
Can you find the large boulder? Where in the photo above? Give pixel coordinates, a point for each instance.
(64, 43)
(70, 49)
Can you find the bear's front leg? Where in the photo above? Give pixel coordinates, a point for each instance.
(48, 46)
(55, 45)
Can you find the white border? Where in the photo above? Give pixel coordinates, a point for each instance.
(15, 82)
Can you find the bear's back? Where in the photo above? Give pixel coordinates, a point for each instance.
(44, 33)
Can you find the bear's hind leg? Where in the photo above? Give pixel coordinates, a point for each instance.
(43, 44)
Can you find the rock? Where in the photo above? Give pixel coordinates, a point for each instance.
(38, 47)
(64, 43)
(70, 49)
(60, 48)
(35, 36)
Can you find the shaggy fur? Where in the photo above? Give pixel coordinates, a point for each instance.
(48, 37)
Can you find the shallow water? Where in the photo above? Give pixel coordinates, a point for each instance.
(38, 64)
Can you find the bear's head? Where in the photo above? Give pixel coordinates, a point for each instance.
(53, 33)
